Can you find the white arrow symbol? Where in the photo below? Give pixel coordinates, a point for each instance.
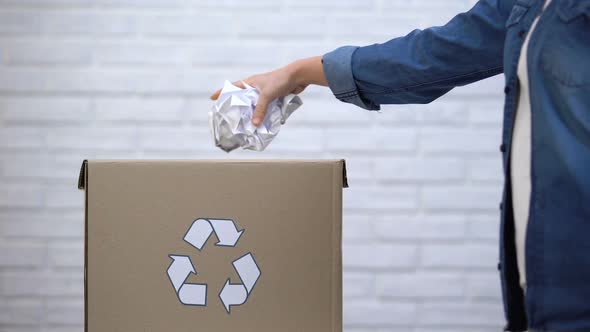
(193, 294)
(201, 230)
(248, 270)
(233, 294)
(236, 294)
(179, 270)
(226, 232)
(199, 233)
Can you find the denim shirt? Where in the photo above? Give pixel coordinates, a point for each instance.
(485, 41)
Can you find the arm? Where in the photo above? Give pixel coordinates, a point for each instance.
(417, 68)
(423, 65)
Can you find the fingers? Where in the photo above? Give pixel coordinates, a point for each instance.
(260, 111)
(215, 95)
(298, 90)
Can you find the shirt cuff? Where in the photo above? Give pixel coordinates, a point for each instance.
(338, 71)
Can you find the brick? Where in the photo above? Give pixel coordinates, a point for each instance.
(66, 255)
(377, 314)
(420, 169)
(20, 312)
(382, 29)
(26, 166)
(223, 54)
(187, 25)
(426, 5)
(198, 110)
(427, 285)
(98, 139)
(357, 5)
(282, 26)
(41, 284)
(173, 139)
(485, 226)
(108, 80)
(167, 81)
(430, 227)
(380, 256)
(357, 228)
(458, 197)
(397, 114)
(460, 140)
(487, 113)
(332, 112)
(21, 139)
(295, 49)
(484, 287)
(19, 22)
(62, 328)
(34, 225)
(456, 329)
(40, 110)
(444, 111)
(459, 255)
(489, 88)
(47, 3)
(457, 314)
(297, 140)
(47, 53)
(139, 110)
(82, 23)
(134, 54)
(358, 285)
(486, 169)
(22, 254)
(142, 3)
(20, 195)
(371, 139)
(65, 312)
(399, 197)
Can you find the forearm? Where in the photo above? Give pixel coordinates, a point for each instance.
(308, 71)
(423, 65)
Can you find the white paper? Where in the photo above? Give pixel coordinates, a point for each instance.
(230, 118)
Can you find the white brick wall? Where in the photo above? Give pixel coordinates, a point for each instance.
(130, 79)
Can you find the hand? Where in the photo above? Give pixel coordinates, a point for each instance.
(293, 78)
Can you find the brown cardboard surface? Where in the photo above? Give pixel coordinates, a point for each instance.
(138, 212)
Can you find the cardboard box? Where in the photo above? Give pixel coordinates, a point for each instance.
(213, 245)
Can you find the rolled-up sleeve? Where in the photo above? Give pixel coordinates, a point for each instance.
(338, 71)
(423, 65)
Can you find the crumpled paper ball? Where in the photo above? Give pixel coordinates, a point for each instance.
(230, 118)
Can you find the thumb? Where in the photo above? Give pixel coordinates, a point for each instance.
(260, 111)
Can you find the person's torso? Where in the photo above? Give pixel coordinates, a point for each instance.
(557, 248)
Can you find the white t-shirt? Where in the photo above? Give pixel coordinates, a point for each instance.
(520, 157)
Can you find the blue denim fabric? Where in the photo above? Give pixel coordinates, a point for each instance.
(485, 41)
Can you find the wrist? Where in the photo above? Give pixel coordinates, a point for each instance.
(295, 71)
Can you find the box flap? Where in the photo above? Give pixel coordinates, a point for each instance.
(344, 177)
(82, 176)
(84, 167)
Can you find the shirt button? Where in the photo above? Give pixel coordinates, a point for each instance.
(521, 33)
(502, 147)
(506, 89)
(499, 266)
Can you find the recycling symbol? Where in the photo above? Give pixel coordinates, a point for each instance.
(232, 294)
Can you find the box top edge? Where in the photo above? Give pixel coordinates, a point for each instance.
(84, 167)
